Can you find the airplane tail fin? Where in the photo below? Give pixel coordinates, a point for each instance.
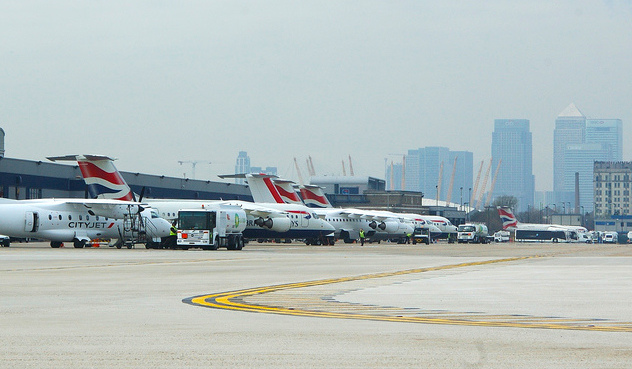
(508, 217)
(101, 176)
(314, 197)
(261, 187)
(287, 191)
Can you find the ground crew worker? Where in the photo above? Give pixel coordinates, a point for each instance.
(172, 240)
(362, 237)
(408, 237)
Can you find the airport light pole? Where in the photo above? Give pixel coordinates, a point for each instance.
(437, 187)
(461, 198)
(583, 214)
(467, 205)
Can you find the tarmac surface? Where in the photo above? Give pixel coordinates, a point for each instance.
(344, 306)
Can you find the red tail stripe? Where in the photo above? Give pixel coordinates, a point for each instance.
(273, 191)
(89, 170)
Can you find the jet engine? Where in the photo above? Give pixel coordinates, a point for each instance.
(389, 226)
(277, 224)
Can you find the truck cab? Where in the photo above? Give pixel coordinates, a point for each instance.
(211, 228)
(472, 233)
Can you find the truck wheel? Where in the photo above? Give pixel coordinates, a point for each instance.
(240, 243)
(216, 245)
(79, 244)
(55, 244)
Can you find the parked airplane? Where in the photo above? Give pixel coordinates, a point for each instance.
(78, 220)
(348, 222)
(438, 226)
(263, 220)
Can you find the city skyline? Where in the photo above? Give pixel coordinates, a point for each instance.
(205, 80)
(512, 154)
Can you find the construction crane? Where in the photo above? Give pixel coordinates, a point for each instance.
(193, 164)
(403, 156)
(451, 186)
(344, 171)
(350, 167)
(491, 189)
(478, 178)
(310, 167)
(482, 192)
(298, 172)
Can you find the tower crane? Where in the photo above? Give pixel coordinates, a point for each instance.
(193, 164)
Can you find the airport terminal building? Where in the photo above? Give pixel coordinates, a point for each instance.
(25, 179)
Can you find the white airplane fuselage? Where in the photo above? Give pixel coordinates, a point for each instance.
(57, 221)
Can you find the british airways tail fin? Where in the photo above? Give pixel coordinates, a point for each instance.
(261, 187)
(101, 176)
(313, 196)
(508, 217)
(286, 190)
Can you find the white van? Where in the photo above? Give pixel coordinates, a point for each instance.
(611, 237)
(630, 237)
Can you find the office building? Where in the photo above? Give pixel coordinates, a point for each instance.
(612, 182)
(512, 148)
(423, 172)
(570, 129)
(242, 165)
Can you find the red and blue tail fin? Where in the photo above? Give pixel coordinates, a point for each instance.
(313, 196)
(508, 217)
(287, 191)
(101, 176)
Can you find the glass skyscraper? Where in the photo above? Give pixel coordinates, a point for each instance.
(577, 143)
(570, 129)
(512, 147)
(423, 167)
(242, 166)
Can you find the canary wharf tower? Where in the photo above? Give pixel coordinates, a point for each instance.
(570, 129)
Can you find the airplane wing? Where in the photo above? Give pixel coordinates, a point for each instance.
(103, 207)
(261, 211)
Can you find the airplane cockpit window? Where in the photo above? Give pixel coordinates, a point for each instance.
(154, 214)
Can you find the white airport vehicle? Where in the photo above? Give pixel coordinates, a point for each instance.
(263, 220)
(611, 237)
(80, 220)
(630, 237)
(502, 236)
(211, 228)
(5, 241)
(421, 235)
(472, 233)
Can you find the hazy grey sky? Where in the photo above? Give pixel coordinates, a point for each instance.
(154, 82)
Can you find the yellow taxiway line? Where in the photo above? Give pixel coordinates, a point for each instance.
(234, 300)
